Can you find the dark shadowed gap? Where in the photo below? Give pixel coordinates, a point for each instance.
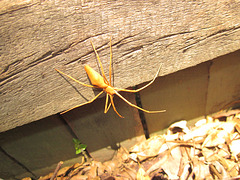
(67, 125)
(73, 134)
(141, 113)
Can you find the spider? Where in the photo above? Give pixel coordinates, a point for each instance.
(101, 82)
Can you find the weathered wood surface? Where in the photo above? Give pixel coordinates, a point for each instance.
(38, 36)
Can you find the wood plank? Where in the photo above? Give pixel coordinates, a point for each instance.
(224, 82)
(9, 169)
(104, 133)
(38, 36)
(39, 145)
(194, 92)
(182, 94)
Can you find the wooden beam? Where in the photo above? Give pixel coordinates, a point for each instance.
(193, 92)
(36, 146)
(105, 133)
(38, 36)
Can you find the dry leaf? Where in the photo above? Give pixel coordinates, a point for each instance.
(141, 174)
(171, 167)
(200, 122)
(79, 177)
(235, 147)
(63, 171)
(217, 170)
(46, 177)
(199, 132)
(149, 148)
(219, 134)
(205, 151)
(27, 178)
(180, 126)
(200, 169)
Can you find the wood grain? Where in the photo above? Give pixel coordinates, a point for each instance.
(38, 36)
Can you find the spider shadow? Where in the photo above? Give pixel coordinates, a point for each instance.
(86, 99)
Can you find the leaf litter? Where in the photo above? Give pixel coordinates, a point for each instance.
(209, 150)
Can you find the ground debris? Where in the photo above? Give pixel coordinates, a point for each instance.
(209, 150)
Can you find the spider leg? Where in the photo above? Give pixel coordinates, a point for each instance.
(88, 85)
(109, 106)
(133, 105)
(99, 61)
(88, 102)
(114, 108)
(106, 104)
(110, 63)
(137, 90)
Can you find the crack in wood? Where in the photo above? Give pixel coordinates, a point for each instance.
(46, 56)
(221, 31)
(18, 7)
(119, 44)
(86, 54)
(12, 73)
(10, 65)
(215, 34)
(150, 42)
(49, 55)
(89, 52)
(133, 49)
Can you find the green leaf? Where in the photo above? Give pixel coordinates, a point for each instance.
(78, 151)
(79, 147)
